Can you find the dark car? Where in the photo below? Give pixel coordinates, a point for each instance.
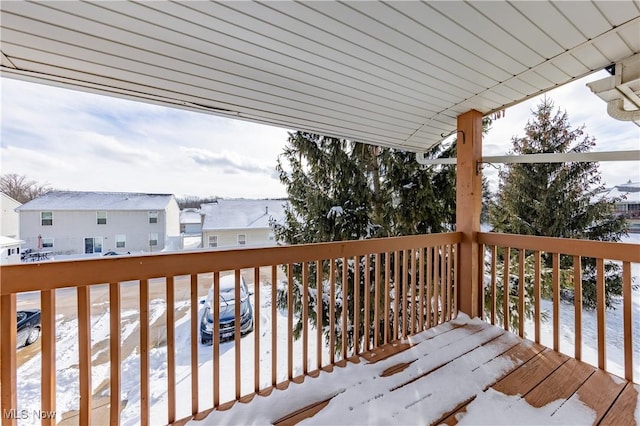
(28, 327)
(227, 311)
(114, 253)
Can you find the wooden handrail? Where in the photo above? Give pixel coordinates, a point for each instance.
(624, 252)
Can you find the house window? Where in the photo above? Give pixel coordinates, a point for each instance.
(46, 218)
(102, 218)
(153, 239)
(242, 239)
(47, 243)
(121, 241)
(153, 217)
(213, 241)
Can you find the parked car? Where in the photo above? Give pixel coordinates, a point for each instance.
(28, 327)
(227, 311)
(115, 253)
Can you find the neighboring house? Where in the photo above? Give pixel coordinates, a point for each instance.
(190, 222)
(240, 223)
(10, 250)
(9, 219)
(69, 222)
(629, 205)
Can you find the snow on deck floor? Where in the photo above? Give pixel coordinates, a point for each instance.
(449, 365)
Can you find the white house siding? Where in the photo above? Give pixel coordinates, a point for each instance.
(229, 237)
(10, 250)
(171, 218)
(70, 228)
(9, 218)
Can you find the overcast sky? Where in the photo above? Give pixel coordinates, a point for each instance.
(81, 141)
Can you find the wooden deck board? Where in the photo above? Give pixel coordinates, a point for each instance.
(519, 354)
(599, 392)
(439, 373)
(622, 412)
(561, 384)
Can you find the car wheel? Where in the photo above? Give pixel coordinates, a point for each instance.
(33, 336)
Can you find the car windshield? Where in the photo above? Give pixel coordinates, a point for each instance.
(228, 294)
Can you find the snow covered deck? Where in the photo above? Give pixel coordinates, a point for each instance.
(460, 372)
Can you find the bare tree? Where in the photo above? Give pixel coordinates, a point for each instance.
(22, 189)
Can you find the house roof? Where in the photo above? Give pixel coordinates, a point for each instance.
(388, 73)
(190, 216)
(7, 241)
(9, 199)
(242, 214)
(629, 192)
(75, 200)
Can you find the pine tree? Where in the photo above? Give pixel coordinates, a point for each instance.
(561, 200)
(343, 190)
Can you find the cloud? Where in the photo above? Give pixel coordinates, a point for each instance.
(230, 162)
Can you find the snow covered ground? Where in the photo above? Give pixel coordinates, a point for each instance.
(28, 374)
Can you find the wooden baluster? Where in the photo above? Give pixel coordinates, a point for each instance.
(627, 300)
(48, 360)
(398, 295)
(367, 305)
(456, 283)
(494, 255)
(429, 273)
(215, 306)
(556, 301)
(319, 312)
(577, 300)
(376, 303)
(290, 321)
(305, 317)
(274, 325)
(356, 307)
(171, 350)
(521, 292)
(237, 334)
(443, 287)
(506, 289)
(387, 295)
(345, 305)
(436, 284)
(84, 354)
(405, 294)
(257, 302)
(194, 323)
(536, 293)
(332, 308)
(115, 357)
(449, 301)
(600, 293)
(144, 352)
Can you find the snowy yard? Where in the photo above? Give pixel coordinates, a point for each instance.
(28, 374)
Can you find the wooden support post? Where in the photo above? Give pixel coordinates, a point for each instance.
(468, 206)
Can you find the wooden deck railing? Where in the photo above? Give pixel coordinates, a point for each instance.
(390, 287)
(538, 268)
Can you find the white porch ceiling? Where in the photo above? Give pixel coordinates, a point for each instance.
(389, 73)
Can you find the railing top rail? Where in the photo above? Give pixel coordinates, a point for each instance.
(626, 252)
(78, 273)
